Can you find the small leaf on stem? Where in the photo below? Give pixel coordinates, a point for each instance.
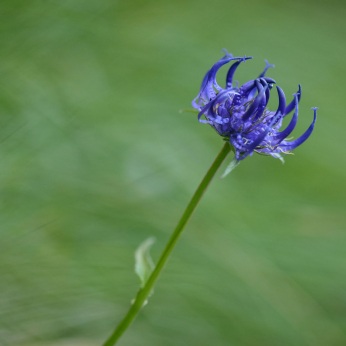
(144, 265)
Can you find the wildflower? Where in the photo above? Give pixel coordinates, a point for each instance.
(240, 114)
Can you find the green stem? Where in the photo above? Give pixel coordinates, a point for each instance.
(143, 294)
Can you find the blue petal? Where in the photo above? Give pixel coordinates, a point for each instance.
(282, 101)
(204, 82)
(230, 73)
(259, 139)
(223, 95)
(269, 80)
(253, 108)
(203, 110)
(294, 144)
(266, 100)
(291, 106)
(286, 132)
(202, 92)
(265, 69)
(247, 87)
(211, 83)
(194, 104)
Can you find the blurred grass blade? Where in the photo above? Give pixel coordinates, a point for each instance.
(144, 265)
(233, 164)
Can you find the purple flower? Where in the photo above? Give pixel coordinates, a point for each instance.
(240, 114)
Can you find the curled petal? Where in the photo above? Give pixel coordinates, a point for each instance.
(282, 101)
(204, 82)
(258, 140)
(221, 97)
(203, 110)
(253, 108)
(287, 131)
(230, 73)
(211, 82)
(194, 103)
(247, 87)
(202, 93)
(269, 80)
(266, 100)
(294, 144)
(291, 106)
(260, 85)
(282, 105)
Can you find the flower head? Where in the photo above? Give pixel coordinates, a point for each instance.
(240, 114)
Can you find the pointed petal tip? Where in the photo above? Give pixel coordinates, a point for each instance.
(299, 92)
(315, 115)
(291, 106)
(281, 94)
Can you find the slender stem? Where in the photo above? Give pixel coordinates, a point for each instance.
(143, 294)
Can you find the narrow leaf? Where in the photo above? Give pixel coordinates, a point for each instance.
(233, 164)
(144, 265)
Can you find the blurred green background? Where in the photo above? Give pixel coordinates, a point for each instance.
(95, 158)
